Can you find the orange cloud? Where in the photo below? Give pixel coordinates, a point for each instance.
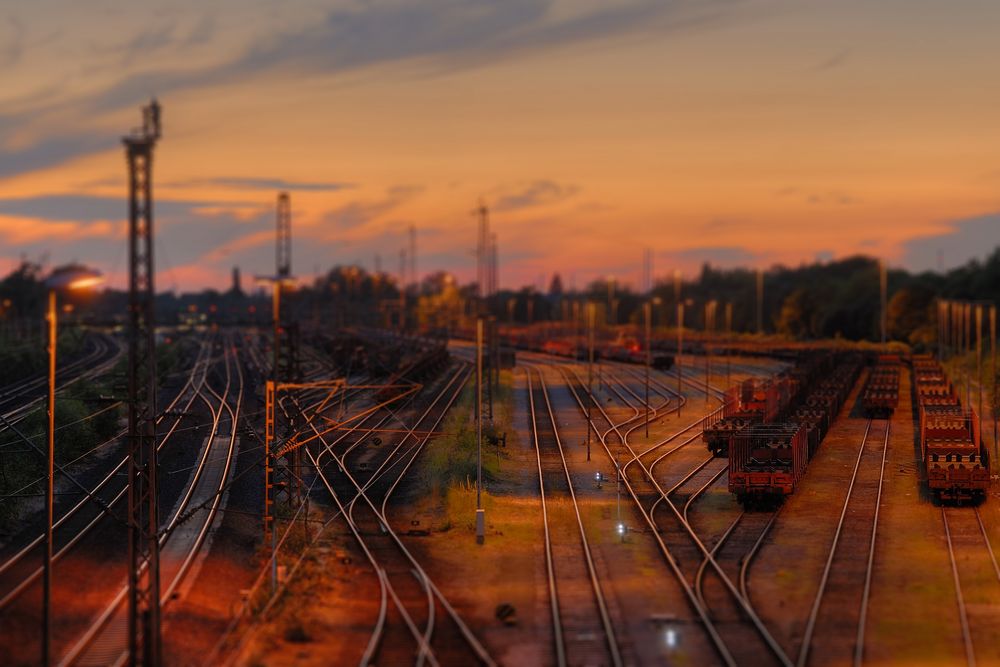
(17, 231)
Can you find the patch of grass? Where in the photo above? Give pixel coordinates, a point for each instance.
(450, 459)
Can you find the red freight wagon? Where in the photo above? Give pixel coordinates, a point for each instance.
(766, 462)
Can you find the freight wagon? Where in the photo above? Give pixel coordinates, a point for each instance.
(955, 460)
(880, 396)
(767, 461)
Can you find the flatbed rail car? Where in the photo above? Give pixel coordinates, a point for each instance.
(880, 395)
(767, 461)
(955, 460)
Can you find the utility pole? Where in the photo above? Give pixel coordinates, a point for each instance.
(590, 373)
(979, 362)
(144, 646)
(940, 330)
(649, 359)
(968, 348)
(993, 354)
(709, 328)
(680, 351)
(760, 301)
(729, 333)
(413, 257)
(647, 271)
(494, 265)
(49, 488)
(482, 251)
(480, 512)
(677, 290)
(883, 279)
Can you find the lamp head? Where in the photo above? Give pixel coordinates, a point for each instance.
(74, 278)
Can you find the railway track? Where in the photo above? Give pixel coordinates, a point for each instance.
(20, 570)
(104, 642)
(840, 609)
(582, 631)
(735, 548)
(18, 400)
(971, 554)
(649, 494)
(415, 622)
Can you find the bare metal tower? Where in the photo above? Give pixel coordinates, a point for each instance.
(143, 519)
(284, 247)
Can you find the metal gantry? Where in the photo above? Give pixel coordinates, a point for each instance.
(143, 522)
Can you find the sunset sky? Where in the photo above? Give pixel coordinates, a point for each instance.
(736, 132)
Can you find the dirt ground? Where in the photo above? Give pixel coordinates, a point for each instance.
(913, 617)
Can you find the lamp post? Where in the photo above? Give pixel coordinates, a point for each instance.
(883, 280)
(70, 279)
(480, 512)
(680, 350)
(729, 333)
(993, 354)
(709, 327)
(760, 301)
(979, 363)
(647, 307)
(590, 373)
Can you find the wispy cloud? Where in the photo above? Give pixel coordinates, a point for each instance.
(835, 197)
(834, 61)
(358, 213)
(439, 35)
(240, 183)
(88, 208)
(536, 193)
(18, 231)
(11, 41)
(718, 255)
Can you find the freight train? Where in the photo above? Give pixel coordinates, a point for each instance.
(767, 460)
(955, 459)
(755, 402)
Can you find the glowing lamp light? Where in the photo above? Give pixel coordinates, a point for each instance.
(74, 278)
(621, 529)
(670, 638)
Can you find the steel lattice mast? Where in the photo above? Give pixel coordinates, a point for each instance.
(284, 245)
(143, 519)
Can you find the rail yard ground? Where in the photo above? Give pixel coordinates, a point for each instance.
(581, 564)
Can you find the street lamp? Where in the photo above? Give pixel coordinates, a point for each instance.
(649, 342)
(680, 350)
(480, 512)
(590, 372)
(74, 278)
